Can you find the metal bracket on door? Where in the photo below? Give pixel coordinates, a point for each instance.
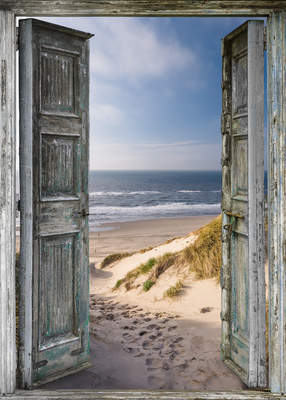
(82, 213)
(233, 217)
(230, 214)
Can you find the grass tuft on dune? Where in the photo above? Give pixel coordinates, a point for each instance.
(175, 290)
(154, 266)
(111, 258)
(130, 277)
(163, 263)
(204, 255)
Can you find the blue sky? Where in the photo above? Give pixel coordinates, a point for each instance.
(155, 94)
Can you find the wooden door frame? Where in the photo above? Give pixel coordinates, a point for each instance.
(275, 11)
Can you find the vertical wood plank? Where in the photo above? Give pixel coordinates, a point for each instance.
(256, 203)
(7, 203)
(26, 195)
(226, 199)
(276, 46)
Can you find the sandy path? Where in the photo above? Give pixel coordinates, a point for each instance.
(141, 341)
(134, 347)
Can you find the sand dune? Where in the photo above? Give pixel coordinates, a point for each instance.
(169, 344)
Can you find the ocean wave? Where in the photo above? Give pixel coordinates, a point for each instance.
(142, 192)
(159, 209)
(189, 191)
(199, 191)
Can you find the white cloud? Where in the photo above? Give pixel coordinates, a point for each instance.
(106, 114)
(131, 49)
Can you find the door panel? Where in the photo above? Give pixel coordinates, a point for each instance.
(243, 265)
(55, 279)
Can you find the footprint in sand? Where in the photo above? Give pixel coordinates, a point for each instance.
(178, 339)
(154, 363)
(127, 336)
(165, 366)
(152, 326)
(127, 327)
(158, 346)
(182, 367)
(171, 328)
(133, 350)
(173, 355)
(139, 355)
(146, 345)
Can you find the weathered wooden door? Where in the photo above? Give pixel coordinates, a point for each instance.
(54, 263)
(243, 266)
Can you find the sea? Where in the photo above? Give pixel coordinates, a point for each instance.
(117, 196)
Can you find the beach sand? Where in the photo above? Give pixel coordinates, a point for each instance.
(141, 340)
(133, 236)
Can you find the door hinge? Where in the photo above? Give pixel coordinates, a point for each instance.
(230, 214)
(82, 214)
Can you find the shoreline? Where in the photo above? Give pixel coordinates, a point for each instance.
(107, 226)
(130, 236)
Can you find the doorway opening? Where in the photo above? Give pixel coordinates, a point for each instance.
(154, 322)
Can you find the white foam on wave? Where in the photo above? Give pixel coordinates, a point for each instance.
(164, 209)
(123, 193)
(189, 191)
(143, 192)
(199, 191)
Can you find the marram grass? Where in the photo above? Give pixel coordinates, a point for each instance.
(111, 258)
(147, 285)
(130, 277)
(175, 290)
(204, 255)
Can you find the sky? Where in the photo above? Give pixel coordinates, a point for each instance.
(155, 91)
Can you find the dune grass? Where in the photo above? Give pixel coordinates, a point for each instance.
(175, 290)
(147, 285)
(163, 263)
(111, 258)
(130, 277)
(145, 268)
(204, 255)
(154, 266)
